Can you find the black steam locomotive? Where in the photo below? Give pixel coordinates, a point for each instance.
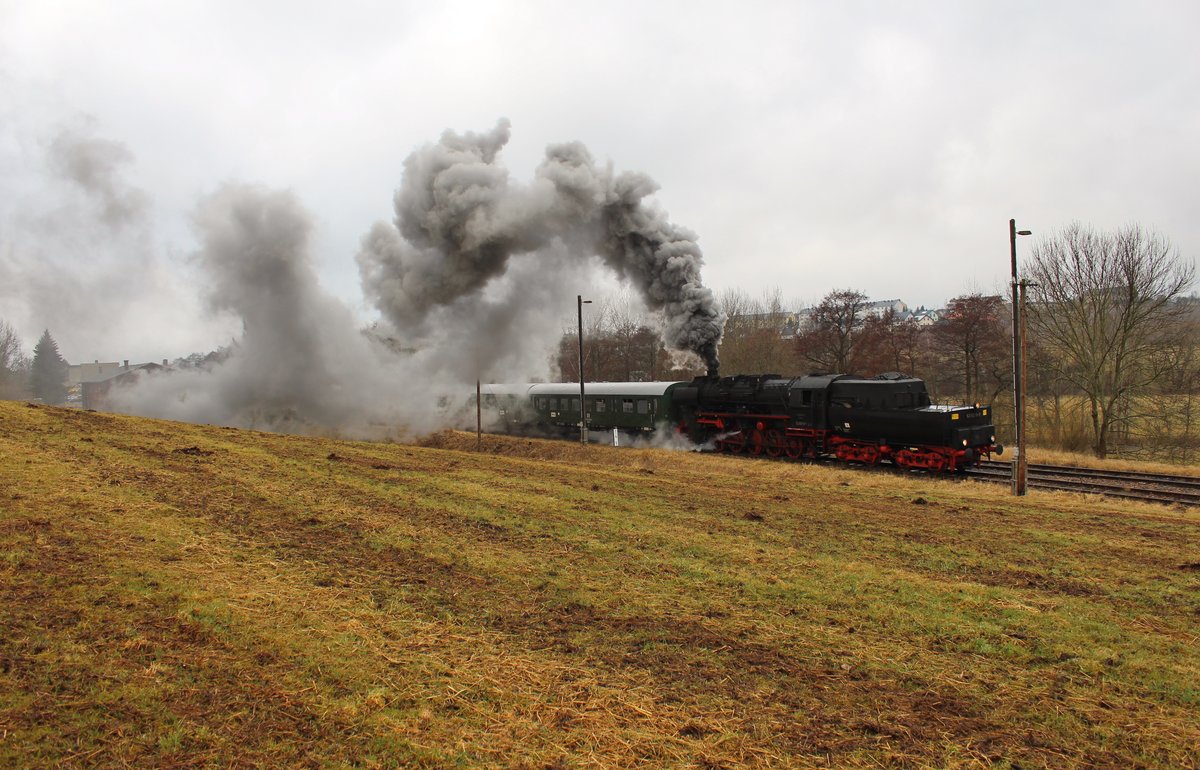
(887, 418)
(855, 419)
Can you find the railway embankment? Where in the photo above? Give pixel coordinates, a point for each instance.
(178, 595)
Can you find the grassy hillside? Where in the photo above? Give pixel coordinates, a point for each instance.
(190, 596)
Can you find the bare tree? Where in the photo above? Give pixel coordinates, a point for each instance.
(596, 324)
(1169, 416)
(621, 343)
(973, 335)
(829, 336)
(14, 364)
(889, 344)
(753, 341)
(1102, 305)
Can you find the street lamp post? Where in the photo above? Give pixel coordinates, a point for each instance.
(1019, 465)
(580, 302)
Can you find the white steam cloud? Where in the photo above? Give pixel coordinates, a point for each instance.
(470, 278)
(76, 246)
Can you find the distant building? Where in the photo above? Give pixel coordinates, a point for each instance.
(93, 372)
(923, 316)
(877, 309)
(94, 392)
(784, 322)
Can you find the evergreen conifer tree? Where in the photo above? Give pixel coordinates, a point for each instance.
(49, 371)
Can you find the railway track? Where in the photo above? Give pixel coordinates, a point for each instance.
(1128, 485)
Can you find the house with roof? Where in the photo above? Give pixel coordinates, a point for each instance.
(878, 309)
(924, 316)
(94, 391)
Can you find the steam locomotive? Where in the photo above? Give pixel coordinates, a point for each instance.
(887, 418)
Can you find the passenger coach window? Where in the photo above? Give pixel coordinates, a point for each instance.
(627, 406)
(643, 406)
(554, 404)
(574, 405)
(599, 405)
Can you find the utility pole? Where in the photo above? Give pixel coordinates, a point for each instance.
(580, 302)
(1020, 465)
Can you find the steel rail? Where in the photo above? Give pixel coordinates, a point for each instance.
(1129, 485)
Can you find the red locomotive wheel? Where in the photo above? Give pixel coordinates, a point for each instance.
(775, 445)
(795, 448)
(735, 443)
(757, 443)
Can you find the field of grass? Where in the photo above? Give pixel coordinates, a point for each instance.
(181, 595)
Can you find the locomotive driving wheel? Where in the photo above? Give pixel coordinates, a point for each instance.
(756, 443)
(794, 447)
(735, 442)
(775, 443)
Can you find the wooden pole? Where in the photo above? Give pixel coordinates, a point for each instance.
(1019, 463)
(580, 302)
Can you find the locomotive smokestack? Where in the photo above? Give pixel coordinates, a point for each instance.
(708, 352)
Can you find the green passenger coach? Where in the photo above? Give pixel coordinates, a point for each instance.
(629, 407)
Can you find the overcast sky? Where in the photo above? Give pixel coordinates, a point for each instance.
(878, 146)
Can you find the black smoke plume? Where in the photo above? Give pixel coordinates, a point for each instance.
(460, 221)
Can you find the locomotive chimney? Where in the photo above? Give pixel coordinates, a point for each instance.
(712, 370)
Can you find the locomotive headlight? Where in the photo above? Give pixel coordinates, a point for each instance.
(992, 440)
(964, 442)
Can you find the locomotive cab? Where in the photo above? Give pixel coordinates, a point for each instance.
(808, 399)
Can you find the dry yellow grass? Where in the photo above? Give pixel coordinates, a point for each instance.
(1079, 460)
(183, 595)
